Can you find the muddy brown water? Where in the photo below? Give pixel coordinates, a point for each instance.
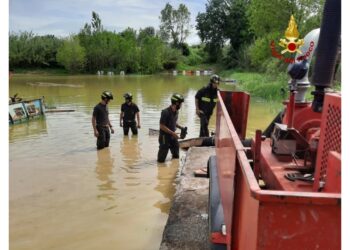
(66, 195)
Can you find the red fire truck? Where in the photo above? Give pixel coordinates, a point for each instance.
(282, 188)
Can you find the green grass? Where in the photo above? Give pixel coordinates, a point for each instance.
(337, 85)
(266, 86)
(258, 84)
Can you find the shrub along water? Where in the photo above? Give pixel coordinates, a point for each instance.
(260, 85)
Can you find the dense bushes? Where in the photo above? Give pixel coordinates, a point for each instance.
(95, 48)
(28, 50)
(238, 32)
(71, 55)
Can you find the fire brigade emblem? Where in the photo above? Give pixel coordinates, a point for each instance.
(291, 44)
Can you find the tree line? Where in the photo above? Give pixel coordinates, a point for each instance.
(233, 33)
(238, 33)
(95, 48)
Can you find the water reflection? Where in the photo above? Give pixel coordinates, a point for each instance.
(130, 149)
(166, 174)
(260, 115)
(104, 170)
(28, 130)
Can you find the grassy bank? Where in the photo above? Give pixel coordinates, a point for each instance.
(266, 86)
(258, 84)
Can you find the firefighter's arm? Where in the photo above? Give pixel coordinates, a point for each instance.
(138, 119)
(168, 131)
(110, 126)
(198, 111)
(93, 121)
(121, 119)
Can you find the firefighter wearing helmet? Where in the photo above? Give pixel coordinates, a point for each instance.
(127, 115)
(100, 121)
(168, 139)
(206, 99)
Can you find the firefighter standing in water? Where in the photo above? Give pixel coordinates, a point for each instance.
(127, 115)
(100, 121)
(206, 99)
(168, 139)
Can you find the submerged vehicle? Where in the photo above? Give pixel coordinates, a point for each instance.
(25, 110)
(282, 189)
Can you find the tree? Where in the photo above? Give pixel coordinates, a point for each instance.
(269, 20)
(170, 57)
(185, 49)
(273, 16)
(174, 24)
(96, 23)
(28, 50)
(98, 45)
(237, 30)
(129, 33)
(151, 55)
(94, 27)
(128, 55)
(71, 55)
(19, 49)
(224, 20)
(211, 26)
(145, 33)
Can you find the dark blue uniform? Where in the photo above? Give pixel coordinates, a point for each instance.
(130, 112)
(207, 99)
(166, 141)
(102, 125)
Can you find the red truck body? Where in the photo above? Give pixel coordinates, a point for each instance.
(263, 209)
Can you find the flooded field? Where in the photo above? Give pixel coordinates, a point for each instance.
(64, 194)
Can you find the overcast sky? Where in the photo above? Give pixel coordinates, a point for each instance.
(64, 17)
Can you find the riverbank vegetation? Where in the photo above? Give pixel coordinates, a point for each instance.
(268, 87)
(235, 36)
